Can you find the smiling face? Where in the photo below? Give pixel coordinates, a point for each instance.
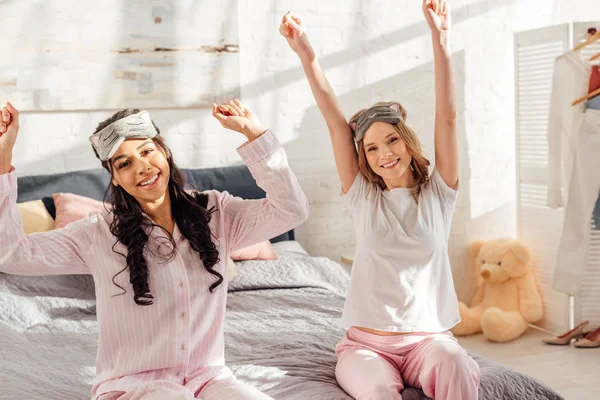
(141, 168)
(386, 152)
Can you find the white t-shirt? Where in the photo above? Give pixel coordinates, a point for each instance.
(401, 278)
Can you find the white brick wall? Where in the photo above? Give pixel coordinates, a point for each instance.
(372, 50)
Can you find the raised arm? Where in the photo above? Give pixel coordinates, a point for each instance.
(344, 150)
(285, 207)
(48, 253)
(437, 14)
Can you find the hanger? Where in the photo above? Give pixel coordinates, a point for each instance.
(591, 39)
(586, 97)
(594, 35)
(597, 55)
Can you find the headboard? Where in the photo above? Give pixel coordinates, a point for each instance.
(236, 180)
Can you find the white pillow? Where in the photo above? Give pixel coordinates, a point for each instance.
(288, 246)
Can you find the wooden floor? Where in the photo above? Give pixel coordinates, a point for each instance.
(572, 372)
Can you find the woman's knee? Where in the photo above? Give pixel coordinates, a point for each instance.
(366, 379)
(458, 363)
(369, 389)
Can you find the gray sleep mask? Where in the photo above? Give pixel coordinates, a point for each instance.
(107, 141)
(384, 113)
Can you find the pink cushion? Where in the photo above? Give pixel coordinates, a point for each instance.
(72, 207)
(258, 251)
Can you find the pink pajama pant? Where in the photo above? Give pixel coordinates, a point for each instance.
(374, 367)
(218, 389)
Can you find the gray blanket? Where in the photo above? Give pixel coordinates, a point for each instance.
(287, 312)
(281, 329)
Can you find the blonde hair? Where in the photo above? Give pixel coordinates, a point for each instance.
(418, 165)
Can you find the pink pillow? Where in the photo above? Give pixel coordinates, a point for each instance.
(258, 251)
(72, 207)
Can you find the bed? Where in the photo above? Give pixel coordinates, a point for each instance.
(281, 320)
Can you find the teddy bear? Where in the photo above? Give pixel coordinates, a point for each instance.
(508, 297)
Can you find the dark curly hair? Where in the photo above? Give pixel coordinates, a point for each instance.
(189, 212)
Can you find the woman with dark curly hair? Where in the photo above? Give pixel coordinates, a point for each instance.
(158, 254)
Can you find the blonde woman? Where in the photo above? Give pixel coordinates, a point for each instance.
(401, 302)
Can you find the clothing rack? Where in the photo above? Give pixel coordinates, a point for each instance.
(537, 224)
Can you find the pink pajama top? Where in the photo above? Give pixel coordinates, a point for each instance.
(180, 337)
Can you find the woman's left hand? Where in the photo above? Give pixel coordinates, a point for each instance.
(234, 116)
(437, 14)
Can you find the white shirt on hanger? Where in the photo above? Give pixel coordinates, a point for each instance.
(570, 81)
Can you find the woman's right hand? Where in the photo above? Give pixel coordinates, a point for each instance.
(293, 30)
(236, 117)
(9, 127)
(437, 15)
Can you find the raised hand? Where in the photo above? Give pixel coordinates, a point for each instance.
(234, 116)
(437, 14)
(293, 30)
(9, 127)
